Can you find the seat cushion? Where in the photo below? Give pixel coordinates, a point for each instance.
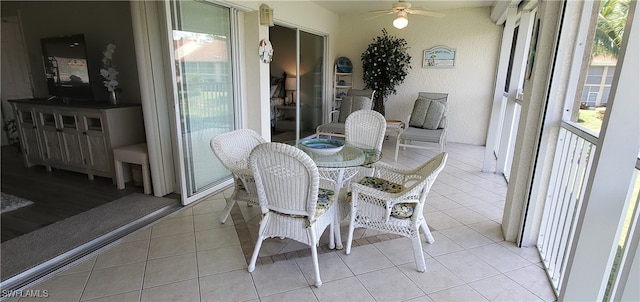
(353, 103)
(422, 135)
(325, 199)
(434, 115)
(440, 97)
(381, 184)
(443, 121)
(399, 210)
(419, 112)
(345, 108)
(361, 103)
(238, 183)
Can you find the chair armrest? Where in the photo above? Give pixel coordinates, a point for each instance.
(395, 174)
(357, 188)
(333, 115)
(377, 198)
(405, 125)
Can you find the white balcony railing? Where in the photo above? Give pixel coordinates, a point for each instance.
(572, 162)
(571, 166)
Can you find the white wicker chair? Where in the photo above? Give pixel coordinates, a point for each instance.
(383, 203)
(365, 129)
(287, 181)
(233, 149)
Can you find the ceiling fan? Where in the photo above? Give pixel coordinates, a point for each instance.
(401, 9)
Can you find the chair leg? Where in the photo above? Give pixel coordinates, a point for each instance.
(316, 267)
(351, 229)
(227, 210)
(427, 233)
(418, 254)
(254, 256)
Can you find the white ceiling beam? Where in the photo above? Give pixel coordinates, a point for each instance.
(499, 10)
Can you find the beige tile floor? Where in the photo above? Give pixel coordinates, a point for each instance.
(190, 256)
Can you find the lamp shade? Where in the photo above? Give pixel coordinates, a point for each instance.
(401, 21)
(290, 84)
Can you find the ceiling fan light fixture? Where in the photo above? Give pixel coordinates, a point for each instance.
(401, 21)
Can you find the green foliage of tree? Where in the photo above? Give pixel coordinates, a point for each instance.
(385, 64)
(610, 27)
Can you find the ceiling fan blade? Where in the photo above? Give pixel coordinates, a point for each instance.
(383, 11)
(380, 15)
(424, 12)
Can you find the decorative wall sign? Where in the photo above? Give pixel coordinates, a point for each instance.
(439, 57)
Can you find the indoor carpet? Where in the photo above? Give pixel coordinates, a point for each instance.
(53, 244)
(9, 202)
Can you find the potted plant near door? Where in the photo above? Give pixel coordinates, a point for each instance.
(385, 65)
(11, 129)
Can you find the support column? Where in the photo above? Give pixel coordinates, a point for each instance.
(501, 77)
(255, 109)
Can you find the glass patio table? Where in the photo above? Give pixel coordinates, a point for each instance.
(339, 168)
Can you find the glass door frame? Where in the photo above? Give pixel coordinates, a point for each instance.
(179, 161)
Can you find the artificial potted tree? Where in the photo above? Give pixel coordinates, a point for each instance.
(385, 65)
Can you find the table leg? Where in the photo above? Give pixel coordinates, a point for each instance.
(337, 220)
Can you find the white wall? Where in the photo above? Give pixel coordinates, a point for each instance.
(469, 84)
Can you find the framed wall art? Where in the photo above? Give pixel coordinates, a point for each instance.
(439, 57)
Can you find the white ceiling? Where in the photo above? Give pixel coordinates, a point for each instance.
(361, 6)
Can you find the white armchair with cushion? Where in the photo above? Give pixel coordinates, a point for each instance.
(355, 100)
(293, 204)
(393, 200)
(427, 123)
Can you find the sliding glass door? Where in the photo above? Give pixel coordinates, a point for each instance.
(300, 56)
(311, 82)
(203, 88)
